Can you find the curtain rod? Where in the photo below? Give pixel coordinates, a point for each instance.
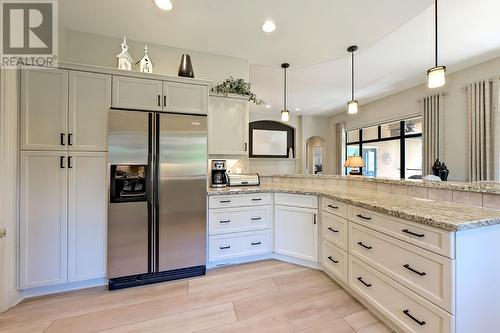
(385, 121)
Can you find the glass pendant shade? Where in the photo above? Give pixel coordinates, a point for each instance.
(285, 115)
(352, 107)
(436, 77)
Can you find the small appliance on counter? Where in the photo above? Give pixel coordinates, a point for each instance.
(235, 179)
(219, 176)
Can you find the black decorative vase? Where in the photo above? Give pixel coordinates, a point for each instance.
(186, 68)
(444, 172)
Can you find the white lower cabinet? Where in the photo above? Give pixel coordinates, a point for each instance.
(43, 219)
(230, 246)
(62, 217)
(87, 214)
(296, 232)
(406, 309)
(334, 261)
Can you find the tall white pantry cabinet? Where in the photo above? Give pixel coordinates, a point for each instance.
(63, 160)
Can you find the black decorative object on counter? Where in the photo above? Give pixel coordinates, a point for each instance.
(441, 170)
(186, 67)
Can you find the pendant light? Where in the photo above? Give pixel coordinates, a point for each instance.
(436, 75)
(352, 105)
(285, 114)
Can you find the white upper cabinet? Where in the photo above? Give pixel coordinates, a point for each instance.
(87, 215)
(296, 232)
(43, 219)
(228, 126)
(185, 98)
(44, 109)
(137, 94)
(89, 102)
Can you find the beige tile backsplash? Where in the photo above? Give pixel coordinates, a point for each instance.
(491, 201)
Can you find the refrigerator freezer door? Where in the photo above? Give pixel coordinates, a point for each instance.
(129, 246)
(182, 191)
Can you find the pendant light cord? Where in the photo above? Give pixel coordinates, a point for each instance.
(284, 92)
(352, 76)
(436, 28)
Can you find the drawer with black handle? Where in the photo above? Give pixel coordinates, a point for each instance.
(236, 245)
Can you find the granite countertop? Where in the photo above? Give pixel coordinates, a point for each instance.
(489, 187)
(443, 215)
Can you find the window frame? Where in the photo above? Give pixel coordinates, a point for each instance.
(401, 137)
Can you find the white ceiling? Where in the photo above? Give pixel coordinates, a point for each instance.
(395, 39)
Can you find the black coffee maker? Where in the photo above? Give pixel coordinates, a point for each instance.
(219, 177)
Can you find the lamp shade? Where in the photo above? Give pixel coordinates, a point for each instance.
(352, 107)
(354, 162)
(436, 77)
(285, 115)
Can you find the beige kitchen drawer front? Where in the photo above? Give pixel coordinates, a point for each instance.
(407, 310)
(239, 200)
(428, 274)
(432, 239)
(296, 200)
(240, 219)
(334, 229)
(335, 207)
(334, 261)
(237, 245)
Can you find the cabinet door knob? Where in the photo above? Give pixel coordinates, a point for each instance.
(365, 246)
(368, 285)
(407, 312)
(408, 267)
(412, 233)
(333, 260)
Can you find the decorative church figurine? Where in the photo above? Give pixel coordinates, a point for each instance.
(145, 63)
(124, 58)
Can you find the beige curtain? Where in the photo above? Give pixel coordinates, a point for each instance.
(339, 148)
(433, 131)
(483, 125)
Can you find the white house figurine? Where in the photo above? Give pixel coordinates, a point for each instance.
(124, 58)
(145, 63)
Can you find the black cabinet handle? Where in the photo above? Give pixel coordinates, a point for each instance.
(245, 146)
(332, 230)
(256, 243)
(70, 164)
(407, 312)
(363, 217)
(365, 246)
(256, 218)
(225, 201)
(314, 219)
(408, 267)
(224, 247)
(61, 162)
(333, 260)
(360, 279)
(334, 207)
(256, 199)
(165, 100)
(62, 140)
(159, 98)
(224, 221)
(70, 141)
(412, 233)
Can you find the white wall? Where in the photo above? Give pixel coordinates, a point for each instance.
(93, 49)
(406, 104)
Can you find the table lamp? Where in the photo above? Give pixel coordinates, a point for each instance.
(354, 162)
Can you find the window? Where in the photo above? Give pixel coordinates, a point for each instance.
(386, 152)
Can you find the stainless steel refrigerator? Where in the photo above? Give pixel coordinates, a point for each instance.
(157, 201)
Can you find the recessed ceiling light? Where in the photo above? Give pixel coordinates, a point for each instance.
(297, 109)
(164, 4)
(268, 26)
(268, 106)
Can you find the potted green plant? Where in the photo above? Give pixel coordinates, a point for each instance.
(238, 87)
